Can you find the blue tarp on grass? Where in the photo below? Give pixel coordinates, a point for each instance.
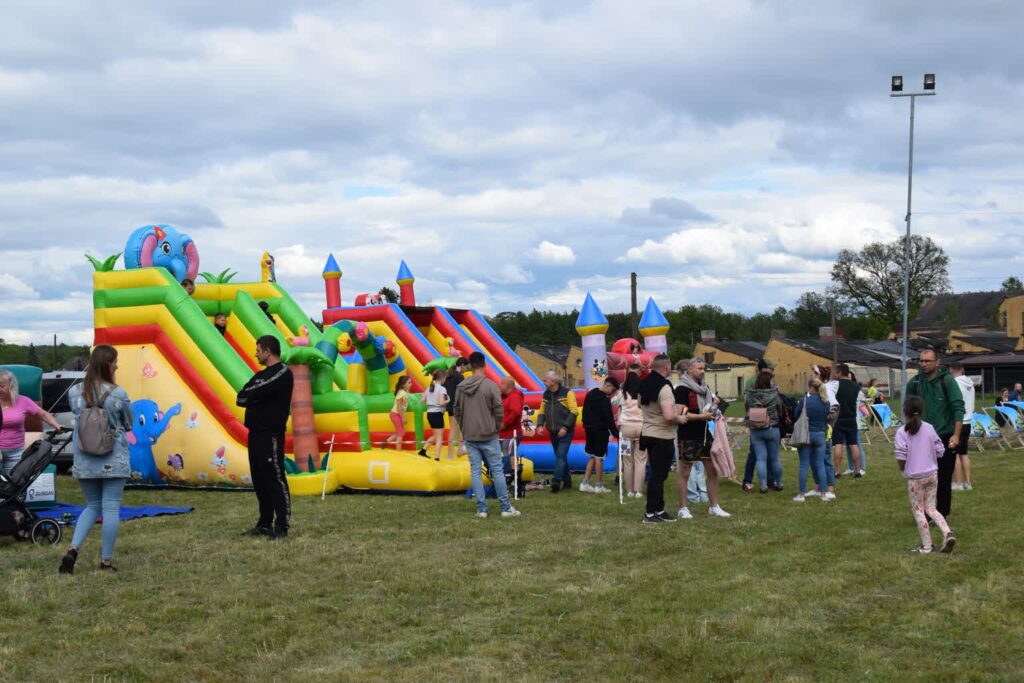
(127, 512)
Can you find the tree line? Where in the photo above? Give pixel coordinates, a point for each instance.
(866, 291)
(46, 357)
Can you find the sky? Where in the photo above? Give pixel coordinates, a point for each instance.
(517, 155)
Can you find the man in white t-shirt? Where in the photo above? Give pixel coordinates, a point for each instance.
(962, 473)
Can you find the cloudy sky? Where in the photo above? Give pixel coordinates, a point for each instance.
(516, 155)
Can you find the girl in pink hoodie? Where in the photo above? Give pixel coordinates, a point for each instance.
(918, 449)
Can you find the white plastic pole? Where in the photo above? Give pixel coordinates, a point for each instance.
(514, 461)
(618, 457)
(330, 449)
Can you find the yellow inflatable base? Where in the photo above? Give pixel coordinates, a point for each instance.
(389, 471)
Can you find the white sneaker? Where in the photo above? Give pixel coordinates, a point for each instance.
(828, 496)
(798, 498)
(684, 513)
(813, 493)
(863, 473)
(511, 512)
(956, 487)
(586, 488)
(717, 511)
(848, 470)
(482, 515)
(600, 488)
(967, 486)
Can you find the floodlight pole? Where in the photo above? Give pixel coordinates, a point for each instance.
(906, 243)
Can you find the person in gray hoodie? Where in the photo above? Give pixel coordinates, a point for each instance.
(478, 411)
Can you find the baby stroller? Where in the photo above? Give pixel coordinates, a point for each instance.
(15, 519)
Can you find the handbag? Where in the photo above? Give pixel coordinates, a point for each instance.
(801, 430)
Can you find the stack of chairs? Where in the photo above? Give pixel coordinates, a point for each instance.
(1013, 414)
(985, 431)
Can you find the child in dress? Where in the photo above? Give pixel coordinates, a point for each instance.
(918, 449)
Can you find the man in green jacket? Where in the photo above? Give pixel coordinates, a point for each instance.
(944, 410)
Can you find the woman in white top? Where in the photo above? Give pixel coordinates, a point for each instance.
(631, 420)
(436, 397)
(962, 473)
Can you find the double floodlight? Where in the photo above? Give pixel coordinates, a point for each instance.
(897, 83)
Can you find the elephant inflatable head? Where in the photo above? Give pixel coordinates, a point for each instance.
(162, 245)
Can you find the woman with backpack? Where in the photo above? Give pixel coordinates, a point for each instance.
(103, 417)
(764, 408)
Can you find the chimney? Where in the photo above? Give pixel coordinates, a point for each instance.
(707, 336)
(827, 333)
(778, 334)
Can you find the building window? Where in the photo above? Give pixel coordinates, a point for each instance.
(709, 357)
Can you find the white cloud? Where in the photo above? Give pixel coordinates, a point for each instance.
(550, 253)
(484, 164)
(14, 288)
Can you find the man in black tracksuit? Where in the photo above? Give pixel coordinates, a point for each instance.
(267, 400)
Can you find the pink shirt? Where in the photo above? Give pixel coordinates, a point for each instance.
(13, 433)
(920, 451)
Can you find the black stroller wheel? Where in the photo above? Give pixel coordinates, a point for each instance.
(46, 532)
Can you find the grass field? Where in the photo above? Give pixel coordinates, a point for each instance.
(412, 588)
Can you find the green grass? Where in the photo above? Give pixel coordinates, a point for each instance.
(415, 588)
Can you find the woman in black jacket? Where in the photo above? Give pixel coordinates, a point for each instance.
(451, 385)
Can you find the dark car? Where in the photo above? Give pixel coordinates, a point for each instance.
(56, 386)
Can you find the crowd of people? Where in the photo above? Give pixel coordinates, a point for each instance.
(659, 426)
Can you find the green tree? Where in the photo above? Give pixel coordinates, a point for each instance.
(32, 357)
(390, 295)
(949, 318)
(872, 278)
(1012, 284)
(679, 350)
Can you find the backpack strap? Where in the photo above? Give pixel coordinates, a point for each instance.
(103, 399)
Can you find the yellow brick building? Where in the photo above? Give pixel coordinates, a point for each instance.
(566, 360)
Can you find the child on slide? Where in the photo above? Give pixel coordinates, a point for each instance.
(397, 414)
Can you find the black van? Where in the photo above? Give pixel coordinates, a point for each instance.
(56, 386)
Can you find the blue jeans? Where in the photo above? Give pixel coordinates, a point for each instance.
(748, 469)
(10, 457)
(101, 496)
(813, 455)
(561, 445)
(765, 443)
(830, 470)
(863, 456)
(489, 450)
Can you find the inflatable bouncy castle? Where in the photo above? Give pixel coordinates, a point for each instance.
(183, 373)
(599, 363)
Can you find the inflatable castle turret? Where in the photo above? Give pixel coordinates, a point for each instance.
(592, 326)
(654, 327)
(405, 280)
(332, 282)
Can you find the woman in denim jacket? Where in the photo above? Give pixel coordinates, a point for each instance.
(102, 477)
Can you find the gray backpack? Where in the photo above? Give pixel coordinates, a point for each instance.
(94, 434)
